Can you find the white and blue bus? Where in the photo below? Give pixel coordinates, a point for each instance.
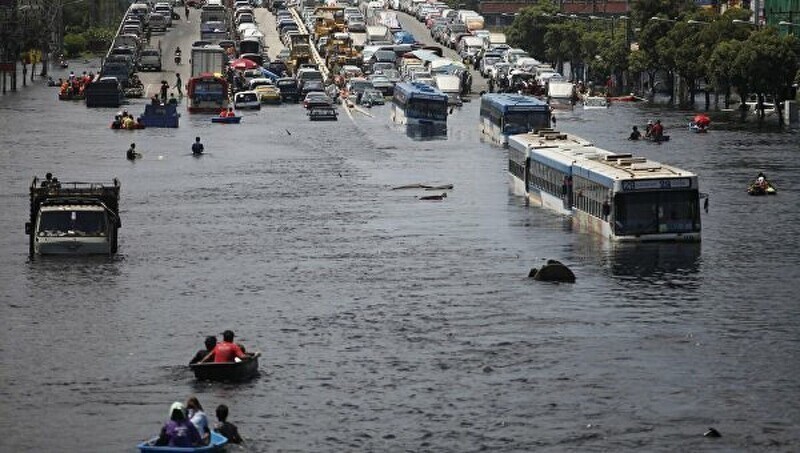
(421, 108)
(619, 196)
(503, 115)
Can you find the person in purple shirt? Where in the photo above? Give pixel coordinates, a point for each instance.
(178, 431)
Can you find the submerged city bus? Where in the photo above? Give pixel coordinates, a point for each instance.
(619, 196)
(503, 115)
(421, 108)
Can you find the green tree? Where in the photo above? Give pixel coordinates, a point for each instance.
(713, 30)
(615, 55)
(720, 69)
(643, 10)
(680, 50)
(767, 63)
(647, 58)
(530, 26)
(74, 44)
(563, 43)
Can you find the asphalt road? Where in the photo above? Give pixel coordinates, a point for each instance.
(182, 34)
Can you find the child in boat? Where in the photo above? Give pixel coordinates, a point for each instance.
(230, 113)
(226, 428)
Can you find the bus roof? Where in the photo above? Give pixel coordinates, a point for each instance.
(514, 102)
(419, 90)
(569, 152)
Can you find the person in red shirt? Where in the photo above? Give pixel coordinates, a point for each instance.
(226, 351)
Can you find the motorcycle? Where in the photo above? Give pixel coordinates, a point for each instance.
(177, 59)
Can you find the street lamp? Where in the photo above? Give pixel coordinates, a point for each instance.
(744, 22)
(697, 22)
(661, 19)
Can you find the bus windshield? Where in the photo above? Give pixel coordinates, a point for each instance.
(427, 109)
(657, 212)
(522, 122)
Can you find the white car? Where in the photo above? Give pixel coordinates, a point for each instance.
(247, 100)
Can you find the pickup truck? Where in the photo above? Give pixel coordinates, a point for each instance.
(150, 59)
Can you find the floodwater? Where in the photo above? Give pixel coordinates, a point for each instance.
(387, 323)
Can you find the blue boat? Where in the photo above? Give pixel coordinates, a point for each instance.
(226, 119)
(160, 115)
(218, 442)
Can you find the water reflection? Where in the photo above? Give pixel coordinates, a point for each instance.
(426, 132)
(650, 261)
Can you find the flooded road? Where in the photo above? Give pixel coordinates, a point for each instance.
(387, 323)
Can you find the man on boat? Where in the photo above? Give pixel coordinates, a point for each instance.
(197, 148)
(635, 134)
(211, 342)
(761, 180)
(657, 131)
(227, 351)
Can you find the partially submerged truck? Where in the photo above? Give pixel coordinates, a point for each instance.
(73, 218)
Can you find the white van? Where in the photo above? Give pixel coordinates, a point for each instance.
(165, 10)
(157, 22)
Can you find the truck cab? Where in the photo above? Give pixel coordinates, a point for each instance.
(73, 218)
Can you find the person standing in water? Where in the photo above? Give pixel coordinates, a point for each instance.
(131, 154)
(197, 147)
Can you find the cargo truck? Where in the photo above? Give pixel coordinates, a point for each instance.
(208, 59)
(73, 218)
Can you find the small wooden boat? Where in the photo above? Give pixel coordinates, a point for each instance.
(595, 102)
(697, 129)
(226, 119)
(71, 97)
(217, 444)
(629, 98)
(229, 371)
(758, 190)
(160, 115)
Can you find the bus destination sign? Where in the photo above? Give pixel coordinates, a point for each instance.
(657, 184)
